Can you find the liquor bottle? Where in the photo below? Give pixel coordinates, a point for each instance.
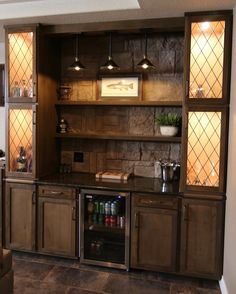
(24, 90)
(15, 91)
(21, 161)
(30, 87)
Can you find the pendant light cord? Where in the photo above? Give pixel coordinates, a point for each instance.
(110, 45)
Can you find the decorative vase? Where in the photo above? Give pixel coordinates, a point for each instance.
(168, 131)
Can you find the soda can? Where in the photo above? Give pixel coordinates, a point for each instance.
(122, 221)
(118, 221)
(107, 220)
(108, 208)
(114, 208)
(94, 218)
(96, 206)
(113, 220)
(102, 207)
(100, 219)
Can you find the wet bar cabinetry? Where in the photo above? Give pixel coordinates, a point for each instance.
(121, 134)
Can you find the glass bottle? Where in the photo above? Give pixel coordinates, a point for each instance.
(30, 87)
(21, 161)
(15, 91)
(24, 90)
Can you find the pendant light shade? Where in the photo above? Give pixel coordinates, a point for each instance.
(145, 63)
(77, 65)
(110, 63)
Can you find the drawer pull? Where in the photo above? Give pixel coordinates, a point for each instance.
(53, 192)
(73, 213)
(143, 201)
(136, 220)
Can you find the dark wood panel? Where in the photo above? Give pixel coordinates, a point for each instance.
(160, 25)
(56, 226)
(20, 208)
(202, 238)
(154, 239)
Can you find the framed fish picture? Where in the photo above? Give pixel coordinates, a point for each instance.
(120, 86)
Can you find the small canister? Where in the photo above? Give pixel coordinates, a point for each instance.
(108, 208)
(113, 220)
(96, 206)
(107, 220)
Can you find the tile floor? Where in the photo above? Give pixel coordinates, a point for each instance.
(36, 274)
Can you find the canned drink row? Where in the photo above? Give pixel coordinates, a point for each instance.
(106, 207)
(109, 220)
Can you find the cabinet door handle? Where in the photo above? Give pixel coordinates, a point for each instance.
(185, 212)
(73, 213)
(34, 89)
(186, 88)
(55, 193)
(33, 197)
(34, 117)
(136, 220)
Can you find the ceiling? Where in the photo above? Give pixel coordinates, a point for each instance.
(83, 11)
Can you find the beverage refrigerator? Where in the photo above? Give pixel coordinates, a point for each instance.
(104, 228)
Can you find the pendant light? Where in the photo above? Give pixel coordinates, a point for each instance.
(110, 64)
(145, 63)
(77, 65)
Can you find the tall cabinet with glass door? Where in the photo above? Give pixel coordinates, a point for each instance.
(205, 128)
(29, 145)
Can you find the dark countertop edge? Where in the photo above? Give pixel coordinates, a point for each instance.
(65, 180)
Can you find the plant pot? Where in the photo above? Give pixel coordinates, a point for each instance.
(168, 131)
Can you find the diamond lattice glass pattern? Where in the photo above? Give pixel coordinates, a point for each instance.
(204, 133)
(206, 59)
(20, 135)
(20, 61)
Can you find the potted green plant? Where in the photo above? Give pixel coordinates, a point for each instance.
(169, 123)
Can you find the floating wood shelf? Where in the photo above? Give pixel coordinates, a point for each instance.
(120, 103)
(125, 137)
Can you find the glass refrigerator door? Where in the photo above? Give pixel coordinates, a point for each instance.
(105, 228)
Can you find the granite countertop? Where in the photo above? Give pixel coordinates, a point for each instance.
(134, 184)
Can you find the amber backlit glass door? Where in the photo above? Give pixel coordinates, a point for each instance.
(203, 149)
(206, 59)
(20, 65)
(20, 140)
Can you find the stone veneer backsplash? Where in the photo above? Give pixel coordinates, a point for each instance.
(137, 158)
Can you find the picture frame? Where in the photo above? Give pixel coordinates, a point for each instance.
(120, 87)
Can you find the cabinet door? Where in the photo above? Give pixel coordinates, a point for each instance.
(208, 50)
(56, 226)
(154, 235)
(202, 238)
(21, 64)
(21, 136)
(20, 207)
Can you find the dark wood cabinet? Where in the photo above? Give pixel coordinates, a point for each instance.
(202, 238)
(20, 216)
(154, 232)
(56, 220)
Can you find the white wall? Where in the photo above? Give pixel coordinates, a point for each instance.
(229, 273)
(2, 109)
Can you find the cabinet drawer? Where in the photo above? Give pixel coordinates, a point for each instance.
(56, 192)
(147, 200)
